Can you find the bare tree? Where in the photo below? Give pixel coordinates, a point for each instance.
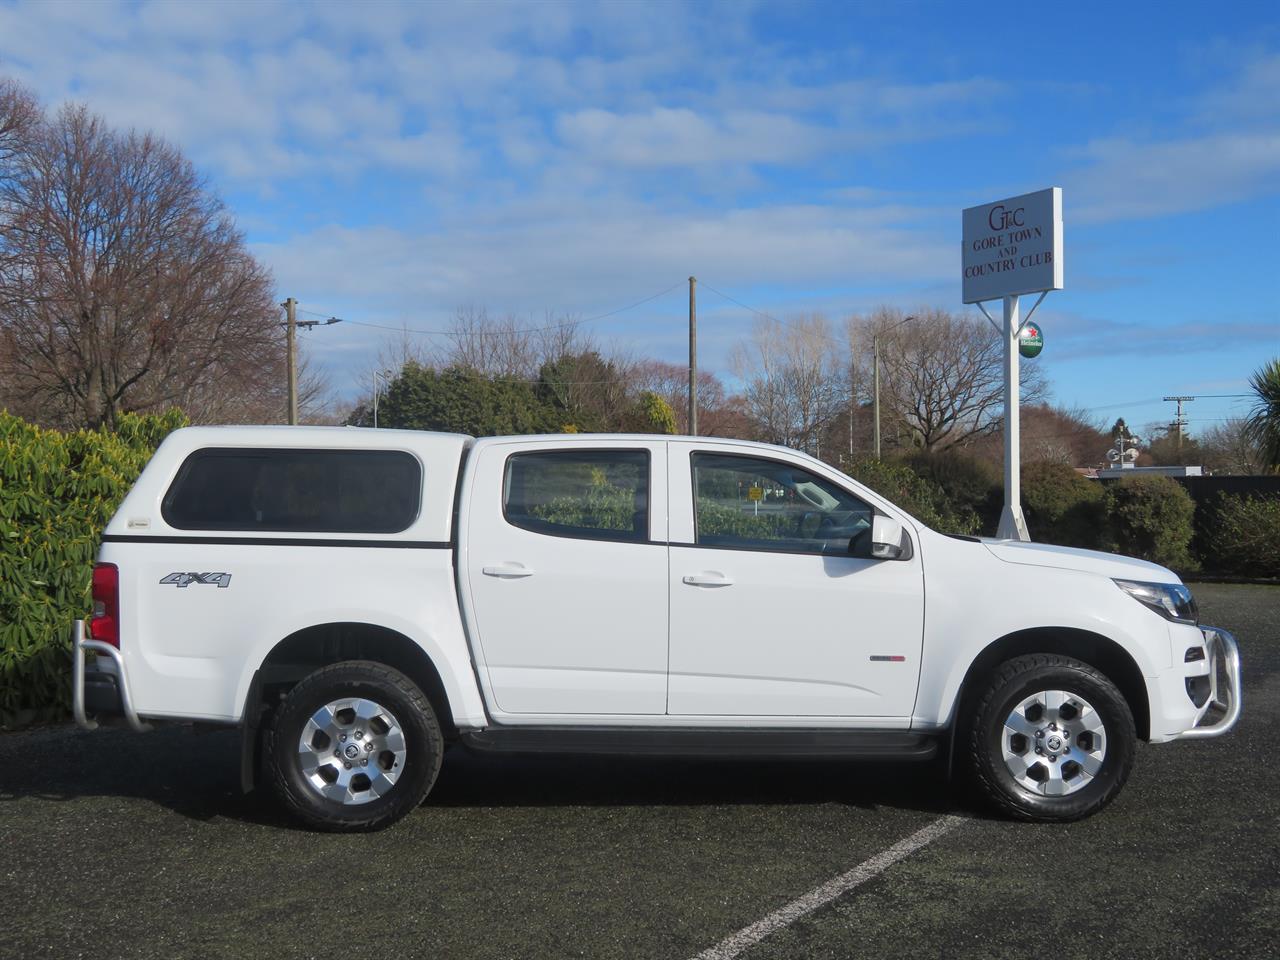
(1230, 447)
(495, 346)
(19, 117)
(719, 414)
(796, 379)
(125, 286)
(942, 375)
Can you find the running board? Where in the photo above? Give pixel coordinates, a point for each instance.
(774, 744)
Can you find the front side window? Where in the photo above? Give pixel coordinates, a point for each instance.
(757, 504)
(295, 491)
(590, 494)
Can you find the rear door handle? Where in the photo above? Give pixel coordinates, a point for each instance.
(709, 580)
(507, 571)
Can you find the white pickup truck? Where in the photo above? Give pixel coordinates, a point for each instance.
(357, 600)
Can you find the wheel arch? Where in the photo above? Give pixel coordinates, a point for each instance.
(319, 645)
(1099, 651)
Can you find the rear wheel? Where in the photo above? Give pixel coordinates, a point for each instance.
(355, 746)
(1050, 738)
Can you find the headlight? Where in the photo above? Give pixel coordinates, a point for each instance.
(1173, 601)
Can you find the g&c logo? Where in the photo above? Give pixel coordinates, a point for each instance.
(1001, 218)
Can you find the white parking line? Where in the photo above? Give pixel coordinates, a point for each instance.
(732, 946)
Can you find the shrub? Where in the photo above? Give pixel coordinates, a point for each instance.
(1242, 536)
(57, 492)
(1150, 517)
(921, 498)
(972, 489)
(1063, 507)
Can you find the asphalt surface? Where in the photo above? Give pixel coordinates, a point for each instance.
(119, 845)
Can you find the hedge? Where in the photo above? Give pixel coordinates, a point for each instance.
(1151, 517)
(1063, 507)
(973, 488)
(1241, 535)
(923, 499)
(57, 492)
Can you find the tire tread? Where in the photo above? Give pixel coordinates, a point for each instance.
(990, 790)
(275, 750)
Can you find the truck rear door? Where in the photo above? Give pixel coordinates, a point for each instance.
(563, 563)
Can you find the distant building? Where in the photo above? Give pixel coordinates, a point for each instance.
(1113, 473)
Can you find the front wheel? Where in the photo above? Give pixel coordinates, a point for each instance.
(355, 746)
(1050, 739)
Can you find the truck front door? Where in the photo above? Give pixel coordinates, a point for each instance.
(772, 613)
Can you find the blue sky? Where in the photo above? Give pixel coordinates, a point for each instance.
(394, 162)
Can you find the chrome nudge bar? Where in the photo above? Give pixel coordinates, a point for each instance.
(78, 647)
(1223, 652)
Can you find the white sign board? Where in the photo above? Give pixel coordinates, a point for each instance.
(1013, 246)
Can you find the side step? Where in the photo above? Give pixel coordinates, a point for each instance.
(773, 744)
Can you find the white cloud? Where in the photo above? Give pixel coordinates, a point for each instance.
(580, 256)
(664, 137)
(1125, 180)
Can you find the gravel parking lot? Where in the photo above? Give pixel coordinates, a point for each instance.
(118, 845)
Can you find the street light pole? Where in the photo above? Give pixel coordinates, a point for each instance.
(384, 374)
(875, 400)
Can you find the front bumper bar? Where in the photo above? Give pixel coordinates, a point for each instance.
(99, 681)
(1224, 657)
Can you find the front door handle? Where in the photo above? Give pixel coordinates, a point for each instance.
(709, 579)
(507, 571)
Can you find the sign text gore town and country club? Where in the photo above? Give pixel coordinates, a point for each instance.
(1013, 246)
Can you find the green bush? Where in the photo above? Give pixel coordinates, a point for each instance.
(1150, 517)
(57, 492)
(1063, 507)
(973, 489)
(921, 498)
(716, 518)
(601, 506)
(1242, 536)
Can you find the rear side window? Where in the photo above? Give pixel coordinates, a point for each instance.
(591, 494)
(295, 491)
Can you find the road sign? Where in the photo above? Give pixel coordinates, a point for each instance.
(755, 493)
(1030, 340)
(1012, 246)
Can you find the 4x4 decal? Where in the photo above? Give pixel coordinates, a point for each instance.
(186, 579)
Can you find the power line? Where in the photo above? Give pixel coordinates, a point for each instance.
(504, 332)
(839, 341)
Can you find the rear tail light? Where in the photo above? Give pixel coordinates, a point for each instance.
(104, 624)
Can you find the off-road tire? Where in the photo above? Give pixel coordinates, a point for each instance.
(423, 743)
(1012, 682)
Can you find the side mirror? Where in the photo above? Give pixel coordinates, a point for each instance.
(888, 540)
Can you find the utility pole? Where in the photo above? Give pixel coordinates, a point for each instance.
(291, 325)
(693, 356)
(1180, 421)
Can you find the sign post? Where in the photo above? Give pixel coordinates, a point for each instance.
(1010, 248)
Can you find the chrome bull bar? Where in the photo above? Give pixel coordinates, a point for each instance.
(1222, 652)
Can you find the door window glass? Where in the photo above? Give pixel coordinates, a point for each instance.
(757, 504)
(592, 494)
